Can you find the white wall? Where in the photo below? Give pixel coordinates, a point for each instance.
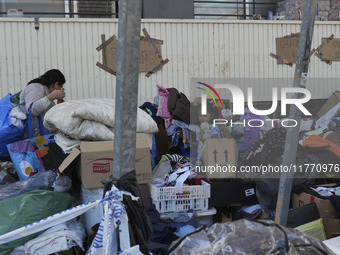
(198, 50)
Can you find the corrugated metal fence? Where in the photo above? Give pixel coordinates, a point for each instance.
(198, 50)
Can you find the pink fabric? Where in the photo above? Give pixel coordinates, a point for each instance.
(163, 96)
(167, 122)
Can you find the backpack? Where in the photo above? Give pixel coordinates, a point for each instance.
(9, 133)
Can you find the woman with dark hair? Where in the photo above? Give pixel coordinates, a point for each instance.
(39, 94)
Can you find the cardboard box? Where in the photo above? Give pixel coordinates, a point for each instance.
(232, 191)
(332, 101)
(325, 207)
(148, 59)
(286, 47)
(331, 50)
(221, 156)
(95, 162)
(332, 227)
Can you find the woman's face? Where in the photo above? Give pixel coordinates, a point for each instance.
(58, 86)
(55, 86)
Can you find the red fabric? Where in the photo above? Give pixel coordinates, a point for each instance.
(31, 174)
(42, 152)
(198, 179)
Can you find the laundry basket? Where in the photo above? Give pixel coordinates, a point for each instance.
(177, 199)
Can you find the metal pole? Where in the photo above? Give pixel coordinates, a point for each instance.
(3, 8)
(129, 25)
(244, 9)
(71, 8)
(301, 69)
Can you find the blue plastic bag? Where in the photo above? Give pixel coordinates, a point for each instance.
(9, 133)
(24, 157)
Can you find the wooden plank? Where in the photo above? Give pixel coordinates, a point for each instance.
(100, 47)
(157, 68)
(106, 68)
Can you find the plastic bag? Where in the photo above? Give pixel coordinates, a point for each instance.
(324, 120)
(27, 208)
(118, 218)
(9, 133)
(160, 172)
(302, 215)
(246, 237)
(63, 183)
(48, 222)
(57, 239)
(24, 157)
(42, 181)
(314, 228)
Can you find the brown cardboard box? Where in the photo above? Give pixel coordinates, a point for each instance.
(95, 162)
(286, 47)
(148, 59)
(332, 101)
(325, 207)
(220, 156)
(332, 227)
(330, 50)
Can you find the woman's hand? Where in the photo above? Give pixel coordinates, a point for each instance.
(56, 94)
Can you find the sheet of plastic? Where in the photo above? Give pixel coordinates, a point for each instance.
(105, 242)
(244, 237)
(20, 211)
(42, 181)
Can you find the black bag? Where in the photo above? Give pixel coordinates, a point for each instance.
(302, 215)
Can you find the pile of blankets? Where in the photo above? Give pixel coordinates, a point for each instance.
(91, 120)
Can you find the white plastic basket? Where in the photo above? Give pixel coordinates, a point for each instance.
(176, 199)
(199, 214)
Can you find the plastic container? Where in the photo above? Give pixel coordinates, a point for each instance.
(270, 15)
(177, 199)
(15, 13)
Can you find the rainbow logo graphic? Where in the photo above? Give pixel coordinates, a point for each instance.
(209, 93)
